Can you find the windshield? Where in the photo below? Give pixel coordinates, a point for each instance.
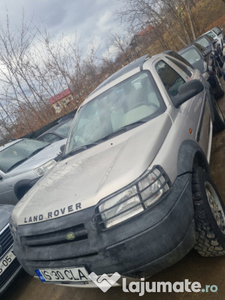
(64, 128)
(15, 154)
(204, 42)
(212, 34)
(133, 101)
(216, 30)
(194, 58)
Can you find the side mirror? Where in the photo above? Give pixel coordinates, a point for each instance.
(59, 156)
(186, 91)
(62, 148)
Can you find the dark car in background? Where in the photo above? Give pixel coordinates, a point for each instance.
(209, 43)
(9, 265)
(204, 60)
(57, 132)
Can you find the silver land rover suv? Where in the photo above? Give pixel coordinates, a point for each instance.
(132, 192)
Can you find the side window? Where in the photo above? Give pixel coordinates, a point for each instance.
(181, 66)
(170, 78)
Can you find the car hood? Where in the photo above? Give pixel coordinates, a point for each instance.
(5, 213)
(80, 181)
(46, 154)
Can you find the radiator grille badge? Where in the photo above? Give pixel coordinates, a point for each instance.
(70, 236)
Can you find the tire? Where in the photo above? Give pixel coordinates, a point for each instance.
(209, 215)
(218, 91)
(219, 120)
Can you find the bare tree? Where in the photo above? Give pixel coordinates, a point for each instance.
(121, 43)
(173, 16)
(34, 68)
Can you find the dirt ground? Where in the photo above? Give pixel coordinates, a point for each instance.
(207, 271)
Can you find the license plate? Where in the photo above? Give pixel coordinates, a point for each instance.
(63, 274)
(7, 259)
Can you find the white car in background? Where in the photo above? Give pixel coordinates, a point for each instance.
(217, 35)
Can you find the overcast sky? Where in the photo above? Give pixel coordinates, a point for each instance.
(88, 18)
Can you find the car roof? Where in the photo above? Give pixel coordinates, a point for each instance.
(131, 66)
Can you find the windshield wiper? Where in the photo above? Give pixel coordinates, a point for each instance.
(121, 130)
(105, 138)
(16, 164)
(80, 149)
(37, 150)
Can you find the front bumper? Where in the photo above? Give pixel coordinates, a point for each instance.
(139, 247)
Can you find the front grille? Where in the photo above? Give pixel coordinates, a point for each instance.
(8, 273)
(67, 235)
(6, 239)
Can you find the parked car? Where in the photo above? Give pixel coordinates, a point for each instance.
(132, 192)
(56, 133)
(67, 117)
(22, 163)
(209, 43)
(9, 265)
(217, 34)
(204, 60)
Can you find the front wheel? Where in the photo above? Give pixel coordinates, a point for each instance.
(209, 215)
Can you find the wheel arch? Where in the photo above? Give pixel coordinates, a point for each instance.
(22, 184)
(191, 155)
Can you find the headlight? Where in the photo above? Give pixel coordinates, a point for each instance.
(40, 171)
(134, 199)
